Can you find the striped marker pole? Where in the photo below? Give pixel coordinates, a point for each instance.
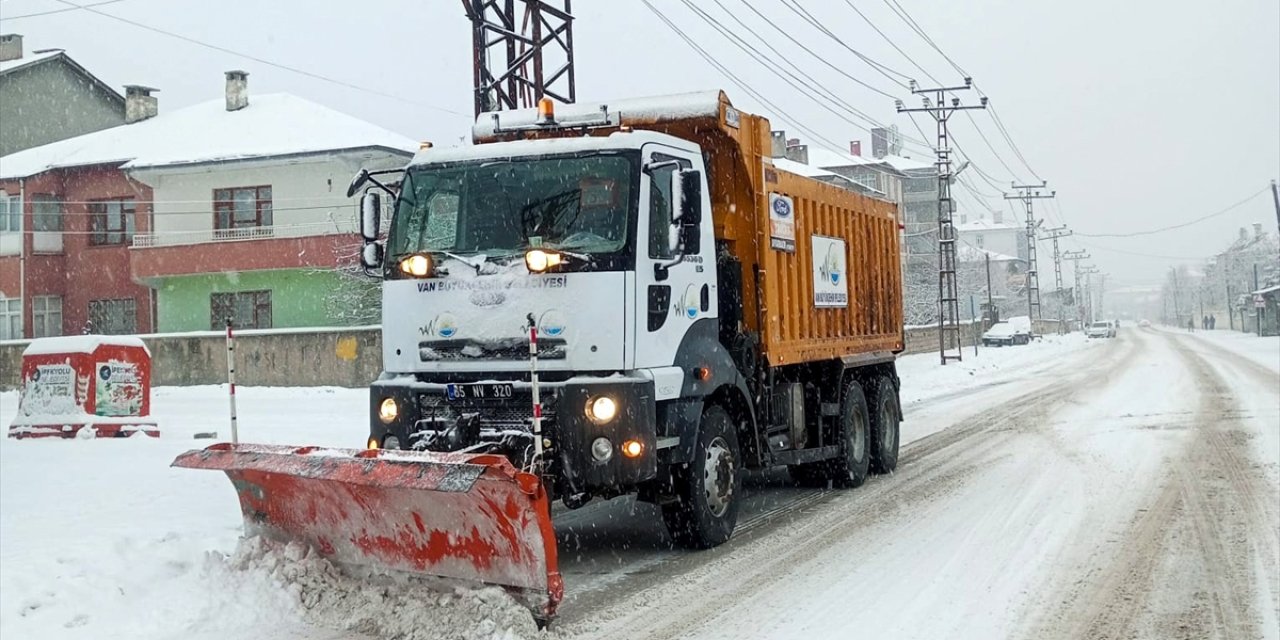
(533, 379)
(231, 380)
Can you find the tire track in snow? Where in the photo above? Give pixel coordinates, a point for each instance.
(1187, 569)
(697, 588)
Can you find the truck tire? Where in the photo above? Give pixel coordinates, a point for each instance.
(851, 466)
(709, 489)
(884, 425)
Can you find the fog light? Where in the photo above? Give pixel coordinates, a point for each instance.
(391, 442)
(632, 448)
(388, 410)
(602, 449)
(602, 409)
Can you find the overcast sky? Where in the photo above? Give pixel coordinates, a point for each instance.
(1141, 114)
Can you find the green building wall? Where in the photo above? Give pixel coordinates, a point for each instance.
(299, 298)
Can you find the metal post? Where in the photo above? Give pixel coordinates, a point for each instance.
(1275, 195)
(973, 323)
(231, 381)
(990, 303)
(1257, 311)
(518, 59)
(1028, 194)
(537, 401)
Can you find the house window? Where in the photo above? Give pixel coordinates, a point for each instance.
(10, 319)
(10, 213)
(114, 317)
(112, 221)
(979, 240)
(247, 310)
(46, 316)
(241, 208)
(46, 212)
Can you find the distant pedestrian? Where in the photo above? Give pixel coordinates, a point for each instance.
(1212, 322)
(1204, 322)
(1191, 325)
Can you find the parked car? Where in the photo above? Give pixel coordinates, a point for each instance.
(1144, 323)
(1007, 333)
(1101, 329)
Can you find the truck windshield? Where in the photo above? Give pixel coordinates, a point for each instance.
(584, 204)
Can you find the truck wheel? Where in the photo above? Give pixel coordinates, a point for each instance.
(884, 426)
(850, 468)
(707, 491)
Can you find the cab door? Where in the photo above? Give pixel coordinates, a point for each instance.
(674, 290)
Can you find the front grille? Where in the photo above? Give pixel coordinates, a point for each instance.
(512, 349)
(508, 413)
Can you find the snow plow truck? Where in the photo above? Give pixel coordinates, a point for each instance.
(618, 299)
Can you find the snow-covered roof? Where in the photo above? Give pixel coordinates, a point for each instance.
(25, 61)
(78, 344)
(969, 253)
(272, 125)
(802, 169)
(825, 158)
(985, 224)
(907, 164)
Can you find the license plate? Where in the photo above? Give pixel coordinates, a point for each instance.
(479, 391)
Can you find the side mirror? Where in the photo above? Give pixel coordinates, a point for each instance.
(370, 216)
(371, 257)
(357, 182)
(688, 187)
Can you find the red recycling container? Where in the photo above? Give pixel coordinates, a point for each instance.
(85, 386)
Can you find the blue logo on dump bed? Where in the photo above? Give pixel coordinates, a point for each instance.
(782, 207)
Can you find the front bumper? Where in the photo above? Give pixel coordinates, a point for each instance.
(425, 412)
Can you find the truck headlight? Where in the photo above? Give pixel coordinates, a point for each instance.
(417, 265)
(537, 260)
(602, 409)
(388, 411)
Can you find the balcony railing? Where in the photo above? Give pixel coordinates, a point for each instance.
(201, 236)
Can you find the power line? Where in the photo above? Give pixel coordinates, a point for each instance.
(741, 84)
(1180, 225)
(802, 46)
(796, 82)
(269, 63)
(906, 17)
(1139, 254)
(808, 17)
(62, 10)
(890, 41)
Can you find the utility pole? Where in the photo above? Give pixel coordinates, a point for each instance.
(991, 309)
(1257, 311)
(1054, 234)
(1177, 304)
(518, 59)
(1029, 193)
(1088, 271)
(940, 108)
(1275, 195)
(1075, 257)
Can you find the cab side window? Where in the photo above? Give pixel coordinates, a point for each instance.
(660, 196)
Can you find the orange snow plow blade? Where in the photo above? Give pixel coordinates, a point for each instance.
(468, 517)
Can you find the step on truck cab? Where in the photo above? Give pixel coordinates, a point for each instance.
(696, 310)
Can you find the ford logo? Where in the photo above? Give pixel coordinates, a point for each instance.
(782, 208)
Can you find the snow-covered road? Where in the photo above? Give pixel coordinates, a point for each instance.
(1121, 488)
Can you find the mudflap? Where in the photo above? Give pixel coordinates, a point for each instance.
(467, 517)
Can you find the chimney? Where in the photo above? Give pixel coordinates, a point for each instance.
(964, 218)
(237, 90)
(10, 47)
(778, 147)
(797, 152)
(1244, 235)
(997, 217)
(139, 104)
(1257, 230)
(855, 148)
